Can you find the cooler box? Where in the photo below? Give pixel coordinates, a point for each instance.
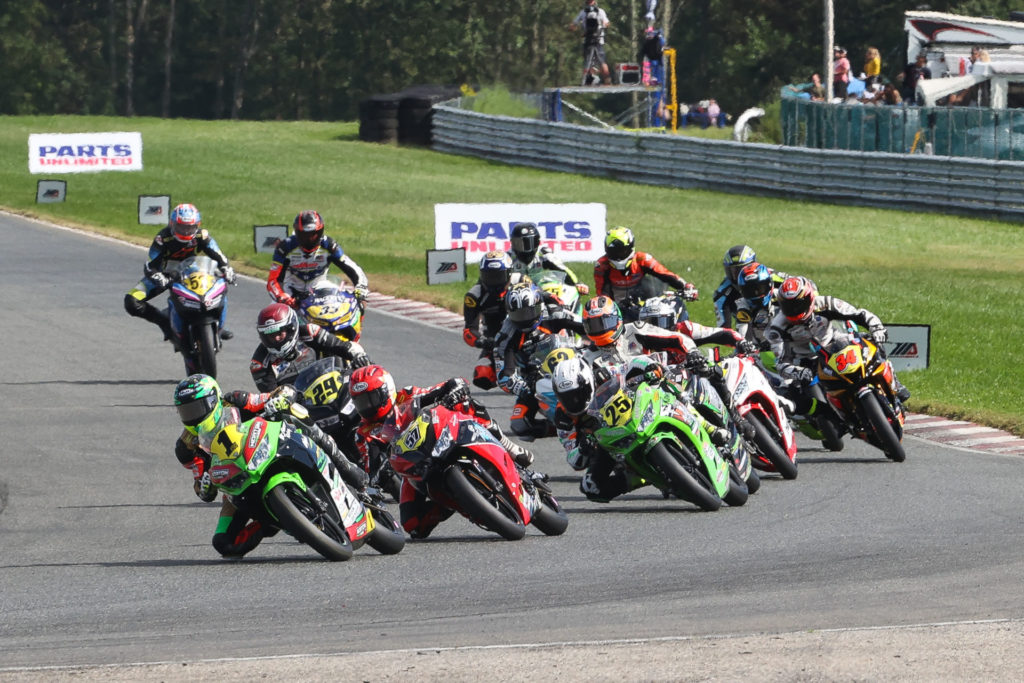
(628, 74)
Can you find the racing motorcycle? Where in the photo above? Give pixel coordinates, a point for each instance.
(756, 401)
(550, 352)
(553, 283)
(278, 476)
(333, 307)
(196, 307)
(449, 456)
(858, 381)
(322, 388)
(657, 435)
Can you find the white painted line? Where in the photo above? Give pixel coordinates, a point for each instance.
(1002, 438)
(973, 429)
(944, 424)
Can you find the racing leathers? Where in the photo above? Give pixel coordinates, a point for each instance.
(728, 300)
(294, 272)
(165, 256)
(626, 286)
(545, 259)
(484, 311)
(315, 342)
(513, 352)
(419, 515)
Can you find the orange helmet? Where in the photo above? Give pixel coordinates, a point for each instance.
(796, 299)
(602, 320)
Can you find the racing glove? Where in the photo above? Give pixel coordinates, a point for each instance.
(747, 347)
(360, 360)
(519, 386)
(582, 289)
(160, 280)
(280, 400)
(802, 374)
(690, 292)
(695, 361)
(229, 275)
(879, 335)
(205, 489)
(361, 292)
(458, 393)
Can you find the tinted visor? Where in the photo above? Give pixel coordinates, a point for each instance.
(526, 244)
(575, 401)
(278, 337)
(795, 308)
(732, 271)
(665, 322)
(310, 239)
(184, 232)
(194, 412)
(525, 317)
(755, 289)
(369, 403)
(618, 251)
(494, 278)
(599, 325)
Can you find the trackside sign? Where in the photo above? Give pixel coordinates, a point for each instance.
(909, 346)
(575, 232)
(84, 152)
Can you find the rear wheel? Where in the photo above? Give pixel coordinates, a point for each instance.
(674, 466)
(484, 506)
(303, 519)
(206, 349)
(887, 439)
(768, 444)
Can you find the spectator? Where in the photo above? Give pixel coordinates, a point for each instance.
(816, 90)
(912, 74)
(715, 114)
(872, 67)
(593, 21)
(967, 64)
(840, 73)
(889, 95)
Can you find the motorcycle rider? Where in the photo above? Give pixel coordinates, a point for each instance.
(804, 318)
(285, 340)
(527, 324)
(727, 295)
(183, 236)
(528, 254)
(622, 271)
(385, 413)
(204, 411)
(484, 310)
(604, 479)
(303, 259)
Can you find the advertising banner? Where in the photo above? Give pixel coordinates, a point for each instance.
(84, 152)
(574, 232)
(908, 346)
(154, 209)
(446, 265)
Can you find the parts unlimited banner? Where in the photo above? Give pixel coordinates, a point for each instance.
(574, 232)
(84, 152)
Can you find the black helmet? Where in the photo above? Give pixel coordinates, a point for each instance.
(525, 240)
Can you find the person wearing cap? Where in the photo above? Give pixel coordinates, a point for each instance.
(840, 73)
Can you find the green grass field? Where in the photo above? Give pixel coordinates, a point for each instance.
(962, 276)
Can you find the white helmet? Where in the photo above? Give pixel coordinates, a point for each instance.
(573, 381)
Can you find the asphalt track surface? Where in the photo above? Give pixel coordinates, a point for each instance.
(105, 553)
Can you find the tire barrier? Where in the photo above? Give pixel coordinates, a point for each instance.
(402, 117)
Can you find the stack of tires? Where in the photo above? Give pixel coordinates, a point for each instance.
(378, 119)
(404, 116)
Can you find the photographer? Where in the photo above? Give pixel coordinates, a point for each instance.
(593, 21)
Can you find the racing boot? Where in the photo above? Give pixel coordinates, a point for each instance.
(902, 393)
(226, 334)
(484, 376)
(143, 309)
(522, 456)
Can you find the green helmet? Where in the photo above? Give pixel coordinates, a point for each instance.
(197, 398)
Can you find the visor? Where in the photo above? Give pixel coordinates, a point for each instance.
(575, 401)
(526, 244)
(369, 403)
(794, 308)
(184, 232)
(619, 252)
(664, 321)
(309, 240)
(755, 289)
(732, 271)
(194, 412)
(599, 325)
(525, 317)
(494, 279)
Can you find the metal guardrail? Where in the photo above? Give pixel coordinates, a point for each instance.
(880, 180)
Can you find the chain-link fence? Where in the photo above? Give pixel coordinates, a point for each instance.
(996, 134)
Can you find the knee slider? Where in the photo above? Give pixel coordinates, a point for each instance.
(135, 307)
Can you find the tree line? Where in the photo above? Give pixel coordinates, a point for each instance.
(316, 59)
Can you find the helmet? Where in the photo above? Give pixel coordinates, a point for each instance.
(737, 257)
(525, 241)
(495, 270)
(524, 304)
(373, 392)
(185, 222)
(574, 385)
(796, 298)
(310, 229)
(618, 246)
(755, 282)
(278, 327)
(197, 398)
(660, 312)
(602, 320)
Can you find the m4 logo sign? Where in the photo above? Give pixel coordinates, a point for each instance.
(447, 267)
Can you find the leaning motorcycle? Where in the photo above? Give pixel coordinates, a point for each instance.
(334, 308)
(858, 380)
(459, 464)
(197, 302)
(553, 283)
(323, 389)
(278, 476)
(763, 409)
(658, 436)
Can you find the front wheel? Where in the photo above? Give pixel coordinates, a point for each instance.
(484, 506)
(666, 458)
(830, 434)
(887, 439)
(550, 518)
(738, 492)
(206, 349)
(304, 520)
(387, 537)
(768, 445)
